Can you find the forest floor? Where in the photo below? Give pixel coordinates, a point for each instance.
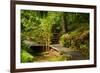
(49, 56)
(60, 54)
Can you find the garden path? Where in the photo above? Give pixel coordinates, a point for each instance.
(76, 55)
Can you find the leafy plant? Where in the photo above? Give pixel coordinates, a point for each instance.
(65, 40)
(38, 27)
(26, 57)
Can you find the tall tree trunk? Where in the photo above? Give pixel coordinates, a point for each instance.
(64, 23)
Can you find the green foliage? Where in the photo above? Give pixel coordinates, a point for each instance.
(83, 46)
(24, 46)
(77, 39)
(65, 40)
(28, 20)
(38, 27)
(26, 57)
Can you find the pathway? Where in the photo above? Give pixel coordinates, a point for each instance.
(76, 55)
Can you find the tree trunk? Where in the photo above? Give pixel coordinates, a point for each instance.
(64, 23)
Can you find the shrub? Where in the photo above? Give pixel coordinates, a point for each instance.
(65, 40)
(84, 49)
(26, 57)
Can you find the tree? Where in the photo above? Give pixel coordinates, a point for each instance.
(64, 23)
(37, 26)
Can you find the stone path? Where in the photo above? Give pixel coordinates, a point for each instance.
(76, 55)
